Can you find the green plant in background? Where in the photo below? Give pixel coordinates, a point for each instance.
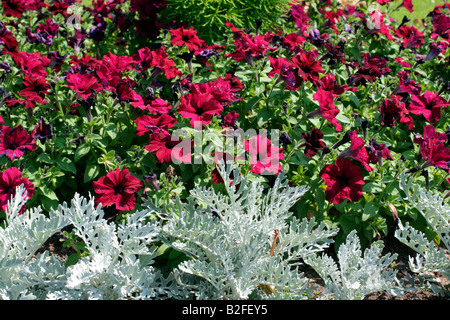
(209, 16)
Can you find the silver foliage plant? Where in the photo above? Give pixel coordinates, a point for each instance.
(429, 258)
(118, 265)
(357, 274)
(244, 244)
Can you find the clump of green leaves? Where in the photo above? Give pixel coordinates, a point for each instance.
(209, 16)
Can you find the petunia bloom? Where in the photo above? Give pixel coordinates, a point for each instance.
(392, 109)
(187, 37)
(14, 141)
(308, 67)
(327, 108)
(432, 147)
(10, 179)
(264, 156)
(42, 131)
(357, 151)
(344, 181)
(167, 148)
(117, 188)
(84, 84)
(199, 107)
(377, 152)
(154, 124)
(313, 142)
(428, 104)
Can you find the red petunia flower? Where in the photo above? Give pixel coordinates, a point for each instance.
(13, 8)
(187, 37)
(411, 37)
(83, 84)
(429, 105)
(13, 142)
(327, 108)
(377, 151)
(154, 124)
(308, 67)
(344, 181)
(357, 151)
(166, 148)
(118, 188)
(432, 147)
(373, 68)
(286, 71)
(35, 89)
(264, 156)
(32, 63)
(160, 60)
(392, 109)
(406, 86)
(10, 179)
(199, 107)
(313, 142)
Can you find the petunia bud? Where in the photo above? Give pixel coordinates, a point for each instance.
(152, 179)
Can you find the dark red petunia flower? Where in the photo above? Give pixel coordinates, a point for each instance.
(35, 89)
(152, 104)
(166, 148)
(373, 68)
(313, 142)
(83, 84)
(328, 82)
(10, 179)
(432, 147)
(13, 142)
(327, 108)
(357, 151)
(411, 37)
(154, 124)
(429, 105)
(406, 86)
(229, 120)
(293, 42)
(377, 151)
(344, 181)
(392, 109)
(163, 64)
(13, 8)
(42, 131)
(299, 16)
(199, 107)
(264, 156)
(286, 72)
(308, 67)
(187, 37)
(117, 188)
(33, 63)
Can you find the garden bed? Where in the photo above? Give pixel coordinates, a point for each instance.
(137, 105)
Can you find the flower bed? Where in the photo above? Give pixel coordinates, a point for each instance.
(111, 100)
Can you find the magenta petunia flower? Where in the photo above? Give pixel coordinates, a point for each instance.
(264, 156)
(117, 188)
(154, 124)
(357, 151)
(377, 151)
(35, 89)
(392, 110)
(428, 104)
(313, 142)
(344, 181)
(83, 84)
(432, 147)
(327, 108)
(199, 107)
(13, 142)
(187, 37)
(308, 67)
(167, 149)
(410, 36)
(10, 179)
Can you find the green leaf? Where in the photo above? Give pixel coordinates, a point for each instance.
(81, 151)
(49, 193)
(91, 172)
(67, 165)
(46, 158)
(370, 210)
(72, 259)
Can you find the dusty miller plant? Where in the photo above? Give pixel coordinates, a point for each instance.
(429, 258)
(357, 274)
(118, 265)
(244, 244)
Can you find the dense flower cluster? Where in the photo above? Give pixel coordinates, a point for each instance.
(104, 98)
